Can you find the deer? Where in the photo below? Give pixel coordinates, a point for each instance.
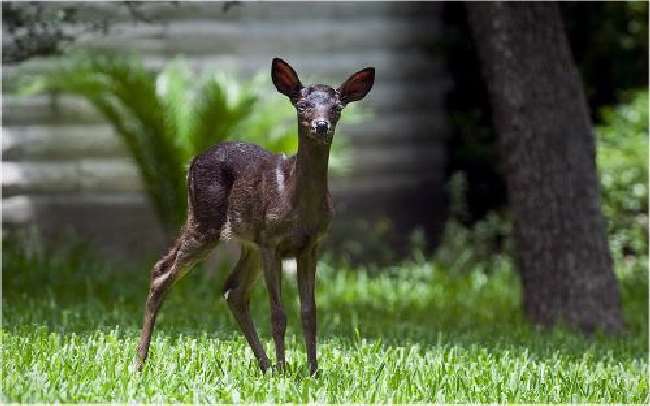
(273, 206)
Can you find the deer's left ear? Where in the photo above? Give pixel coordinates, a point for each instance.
(285, 79)
(357, 86)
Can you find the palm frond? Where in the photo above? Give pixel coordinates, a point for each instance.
(220, 106)
(175, 90)
(123, 91)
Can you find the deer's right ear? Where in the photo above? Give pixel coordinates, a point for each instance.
(285, 79)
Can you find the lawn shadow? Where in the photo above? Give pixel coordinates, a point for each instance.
(395, 311)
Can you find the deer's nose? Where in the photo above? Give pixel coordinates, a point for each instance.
(322, 127)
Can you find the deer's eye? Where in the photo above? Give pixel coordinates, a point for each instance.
(337, 108)
(303, 106)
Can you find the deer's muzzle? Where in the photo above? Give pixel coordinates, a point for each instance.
(321, 127)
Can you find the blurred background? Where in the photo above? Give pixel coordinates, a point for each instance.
(105, 103)
(65, 168)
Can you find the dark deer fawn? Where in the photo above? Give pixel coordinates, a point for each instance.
(275, 206)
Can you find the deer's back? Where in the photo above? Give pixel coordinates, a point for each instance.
(227, 187)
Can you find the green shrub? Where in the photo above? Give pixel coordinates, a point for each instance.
(623, 168)
(484, 245)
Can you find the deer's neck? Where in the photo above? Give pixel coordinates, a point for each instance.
(311, 190)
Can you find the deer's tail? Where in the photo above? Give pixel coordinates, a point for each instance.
(209, 183)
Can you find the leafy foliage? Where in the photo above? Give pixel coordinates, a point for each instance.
(623, 166)
(166, 119)
(420, 332)
(43, 29)
(490, 238)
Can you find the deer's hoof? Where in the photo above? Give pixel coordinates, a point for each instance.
(265, 366)
(314, 372)
(279, 367)
(136, 365)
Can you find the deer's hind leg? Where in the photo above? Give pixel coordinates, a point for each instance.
(237, 292)
(188, 249)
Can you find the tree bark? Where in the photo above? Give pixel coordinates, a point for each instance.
(548, 151)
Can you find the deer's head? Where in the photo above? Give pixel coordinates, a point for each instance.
(319, 106)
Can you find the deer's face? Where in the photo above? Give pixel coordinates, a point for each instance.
(319, 106)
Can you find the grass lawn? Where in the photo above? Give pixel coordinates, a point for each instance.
(413, 333)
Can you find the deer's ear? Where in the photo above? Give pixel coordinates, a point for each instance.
(357, 86)
(285, 78)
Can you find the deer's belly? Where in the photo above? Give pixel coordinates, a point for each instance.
(283, 230)
(298, 238)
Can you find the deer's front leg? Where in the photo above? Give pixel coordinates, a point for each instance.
(273, 276)
(306, 285)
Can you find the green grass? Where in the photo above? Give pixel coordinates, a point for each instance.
(412, 333)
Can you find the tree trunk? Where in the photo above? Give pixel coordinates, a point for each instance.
(547, 149)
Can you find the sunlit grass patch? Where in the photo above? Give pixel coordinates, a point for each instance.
(413, 333)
